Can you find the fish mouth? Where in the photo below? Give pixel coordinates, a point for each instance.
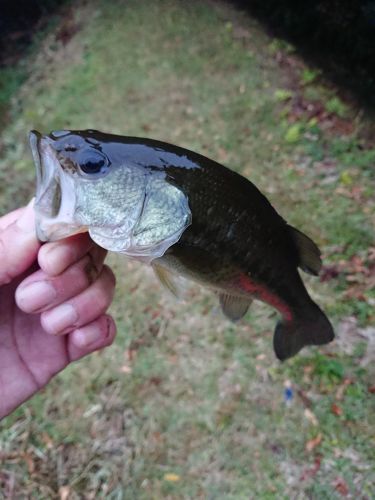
(55, 195)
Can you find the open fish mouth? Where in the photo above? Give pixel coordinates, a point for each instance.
(55, 196)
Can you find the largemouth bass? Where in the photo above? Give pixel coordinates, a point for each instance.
(185, 215)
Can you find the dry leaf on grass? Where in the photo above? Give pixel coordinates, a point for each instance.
(311, 417)
(171, 477)
(313, 443)
(64, 493)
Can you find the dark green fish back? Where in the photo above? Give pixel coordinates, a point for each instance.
(234, 225)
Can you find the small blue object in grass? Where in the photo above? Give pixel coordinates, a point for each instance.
(288, 393)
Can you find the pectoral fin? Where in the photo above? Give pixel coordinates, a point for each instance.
(233, 307)
(167, 279)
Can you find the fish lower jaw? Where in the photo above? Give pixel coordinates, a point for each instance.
(56, 231)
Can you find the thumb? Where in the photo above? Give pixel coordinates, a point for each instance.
(18, 245)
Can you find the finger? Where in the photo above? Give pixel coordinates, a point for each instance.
(57, 256)
(89, 338)
(11, 217)
(40, 292)
(82, 309)
(18, 245)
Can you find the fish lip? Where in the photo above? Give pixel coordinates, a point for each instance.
(47, 169)
(52, 223)
(34, 140)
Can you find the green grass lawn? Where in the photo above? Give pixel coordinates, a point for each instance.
(185, 404)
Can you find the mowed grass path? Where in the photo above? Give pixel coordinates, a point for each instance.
(185, 404)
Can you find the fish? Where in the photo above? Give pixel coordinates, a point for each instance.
(185, 215)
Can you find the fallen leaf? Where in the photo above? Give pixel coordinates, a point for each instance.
(155, 381)
(309, 473)
(371, 254)
(336, 410)
(125, 369)
(311, 417)
(29, 462)
(305, 399)
(340, 391)
(313, 443)
(341, 486)
(355, 292)
(47, 441)
(130, 354)
(171, 477)
(329, 272)
(64, 492)
(357, 263)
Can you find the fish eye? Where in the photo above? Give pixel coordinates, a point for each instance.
(92, 163)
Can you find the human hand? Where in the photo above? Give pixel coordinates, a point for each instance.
(50, 314)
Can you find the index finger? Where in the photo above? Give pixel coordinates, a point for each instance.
(7, 219)
(18, 244)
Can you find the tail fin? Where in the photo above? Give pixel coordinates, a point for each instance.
(311, 328)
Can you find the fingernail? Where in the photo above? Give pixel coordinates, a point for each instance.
(27, 220)
(103, 329)
(35, 296)
(60, 318)
(89, 335)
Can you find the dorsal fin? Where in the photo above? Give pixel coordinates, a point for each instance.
(308, 252)
(233, 307)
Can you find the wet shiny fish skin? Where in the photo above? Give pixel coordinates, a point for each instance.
(185, 215)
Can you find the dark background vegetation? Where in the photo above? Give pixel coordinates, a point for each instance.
(18, 22)
(337, 36)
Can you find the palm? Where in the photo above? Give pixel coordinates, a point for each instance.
(29, 357)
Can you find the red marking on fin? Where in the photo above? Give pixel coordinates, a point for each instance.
(262, 293)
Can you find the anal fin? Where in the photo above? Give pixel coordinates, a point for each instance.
(234, 307)
(167, 279)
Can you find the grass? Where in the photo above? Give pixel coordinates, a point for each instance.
(186, 405)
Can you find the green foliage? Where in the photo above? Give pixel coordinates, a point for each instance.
(283, 94)
(335, 105)
(293, 134)
(10, 81)
(330, 370)
(309, 76)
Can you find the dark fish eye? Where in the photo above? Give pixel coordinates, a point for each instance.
(92, 163)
